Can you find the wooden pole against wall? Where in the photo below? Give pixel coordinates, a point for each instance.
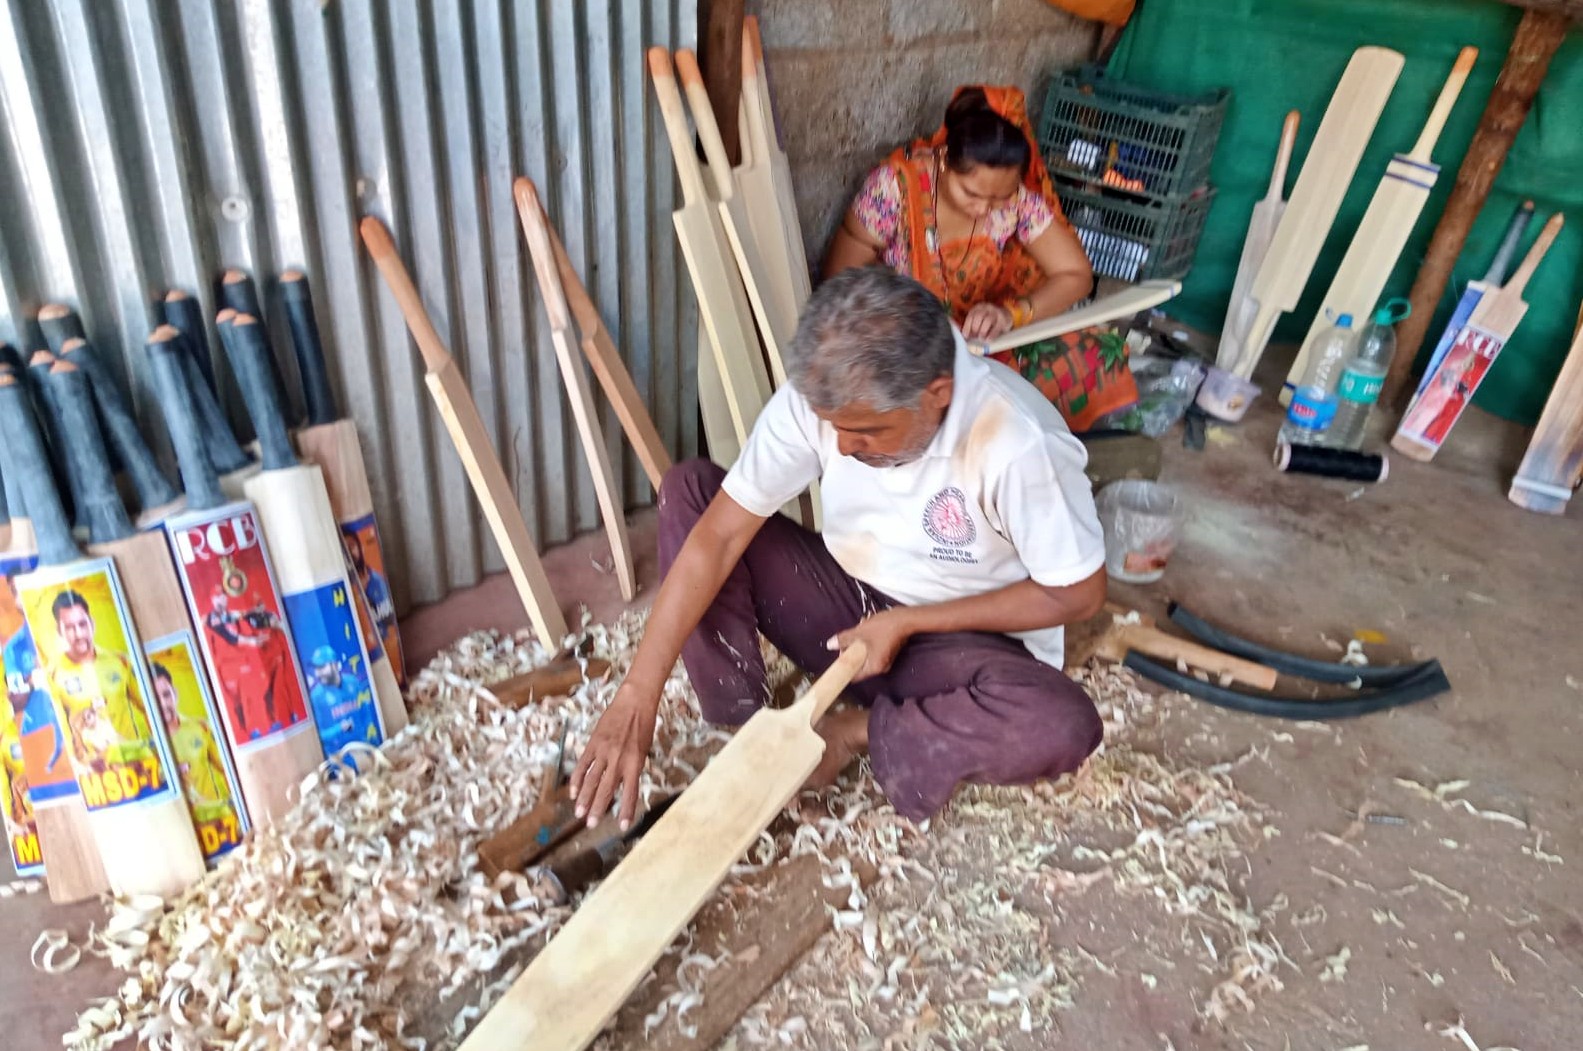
(720, 32)
(1538, 36)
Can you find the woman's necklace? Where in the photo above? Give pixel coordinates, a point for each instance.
(934, 229)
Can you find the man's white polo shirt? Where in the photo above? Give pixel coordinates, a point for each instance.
(998, 496)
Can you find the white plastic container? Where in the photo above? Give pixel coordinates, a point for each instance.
(1226, 395)
(1142, 521)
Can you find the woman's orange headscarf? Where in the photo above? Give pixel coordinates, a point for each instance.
(986, 274)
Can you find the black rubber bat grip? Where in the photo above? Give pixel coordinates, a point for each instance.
(250, 361)
(181, 420)
(297, 298)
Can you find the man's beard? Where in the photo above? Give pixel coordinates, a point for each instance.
(913, 451)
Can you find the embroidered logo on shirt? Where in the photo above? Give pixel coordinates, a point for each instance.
(946, 520)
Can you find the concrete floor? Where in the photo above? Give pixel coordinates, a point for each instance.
(1435, 560)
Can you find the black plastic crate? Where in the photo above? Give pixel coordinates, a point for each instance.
(1133, 237)
(1137, 139)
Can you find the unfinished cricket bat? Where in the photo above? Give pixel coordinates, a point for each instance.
(589, 969)
(1332, 159)
(770, 293)
(225, 571)
(1124, 303)
(471, 439)
(330, 441)
(1261, 227)
(309, 560)
(1429, 420)
(722, 302)
(534, 227)
(1386, 225)
(1554, 462)
(1505, 252)
(59, 816)
(767, 153)
(88, 617)
(611, 371)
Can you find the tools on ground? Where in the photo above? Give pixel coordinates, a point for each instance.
(595, 448)
(1553, 464)
(226, 573)
(330, 442)
(1327, 171)
(471, 439)
(550, 823)
(585, 973)
(555, 679)
(1123, 631)
(1448, 391)
(1392, 213)
(1261, 228)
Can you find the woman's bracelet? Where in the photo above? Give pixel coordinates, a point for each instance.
(1021, 310)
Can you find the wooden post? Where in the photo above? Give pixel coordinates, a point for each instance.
(1527, 60)
(720, 37)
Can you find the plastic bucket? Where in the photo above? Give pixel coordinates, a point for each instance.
(1141, 520)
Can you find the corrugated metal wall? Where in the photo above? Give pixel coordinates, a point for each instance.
(150, 144)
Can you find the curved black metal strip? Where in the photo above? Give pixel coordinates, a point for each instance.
(1290, 663)
(1427, 680)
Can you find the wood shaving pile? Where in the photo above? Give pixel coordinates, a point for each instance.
(966, 944)
(361, 917)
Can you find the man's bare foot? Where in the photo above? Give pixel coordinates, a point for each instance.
(845, 734)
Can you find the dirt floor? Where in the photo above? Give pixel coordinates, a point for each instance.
(1444, 914)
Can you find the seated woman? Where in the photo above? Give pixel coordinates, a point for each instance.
(971, 214)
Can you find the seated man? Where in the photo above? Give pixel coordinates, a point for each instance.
(959, 536)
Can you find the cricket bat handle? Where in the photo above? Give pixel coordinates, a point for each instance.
(704, 121)
(297, 298)
(1283, 155)
(59, 323)
(1443, 105)
(1508, 246)
(531, 211)
(181, 420)
(185, 315)
(1547, 237)
(27, 461)
(84, 445)
(670, 103)
(827, 688)
(383, 250)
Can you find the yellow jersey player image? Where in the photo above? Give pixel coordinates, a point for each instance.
(19, 809)
(197, 756)
(97, 692)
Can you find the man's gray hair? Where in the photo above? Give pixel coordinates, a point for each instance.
(873, 336)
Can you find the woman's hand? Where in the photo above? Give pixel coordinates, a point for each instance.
(986, 321)
(614, 757)
(884, 633)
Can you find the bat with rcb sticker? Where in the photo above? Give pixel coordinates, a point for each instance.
(87, 616)
(310, 560)
(330, 441)
(229, 582)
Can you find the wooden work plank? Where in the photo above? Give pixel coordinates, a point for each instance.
(530, 210)
(1533, 45)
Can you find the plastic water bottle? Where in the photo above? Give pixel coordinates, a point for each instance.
(1361, 380)
(1313, 407)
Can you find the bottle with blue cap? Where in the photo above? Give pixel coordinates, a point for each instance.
(1313, 407)
(1363, 377)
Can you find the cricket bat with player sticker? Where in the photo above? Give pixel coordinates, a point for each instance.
(330, 441)
(310, 560)
(1428, 421)
(59, 816)
(218, 550)
(16, 798)
(86, 638)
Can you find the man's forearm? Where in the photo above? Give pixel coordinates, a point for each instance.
(690, 586)
(1024, 606)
